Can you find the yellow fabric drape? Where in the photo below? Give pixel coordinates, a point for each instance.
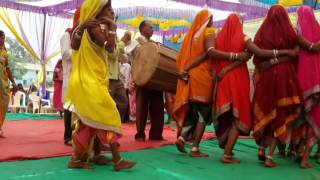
(4, 87)
(164, 24)
(8, 21)
(290, 2)
(88, 86)
(5, 17)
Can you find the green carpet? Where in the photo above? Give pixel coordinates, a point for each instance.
(29, 116)
(166, 163)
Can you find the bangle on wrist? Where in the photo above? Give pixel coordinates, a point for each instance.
(231, 56)
(272, 61)
(112, 32)
(210, 48)
(275, 53)
(105, 44)
(79, 33)
(311, 46)
(237, 56)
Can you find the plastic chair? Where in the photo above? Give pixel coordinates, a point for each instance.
(36, 102)
(15, 102)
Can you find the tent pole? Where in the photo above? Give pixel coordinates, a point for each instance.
(43, 63)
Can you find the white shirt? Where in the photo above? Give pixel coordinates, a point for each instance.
(66, 52)
(134, 45)
(125, 70)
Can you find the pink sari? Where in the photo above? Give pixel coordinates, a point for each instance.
(58, 79)
(309, 68)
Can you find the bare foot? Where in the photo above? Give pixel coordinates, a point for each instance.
(305, 165)
(123, 164)
(101, 160)
(269, 163)
(198, 154)
(79, 165)
(180, 146)
(230, 160)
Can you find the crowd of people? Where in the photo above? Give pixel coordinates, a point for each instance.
(96, 92)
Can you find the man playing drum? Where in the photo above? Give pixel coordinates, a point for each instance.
(148, 100)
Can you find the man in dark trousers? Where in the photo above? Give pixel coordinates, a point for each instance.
(149, 101)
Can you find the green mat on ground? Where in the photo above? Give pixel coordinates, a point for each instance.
(166, 163)
(29, 116)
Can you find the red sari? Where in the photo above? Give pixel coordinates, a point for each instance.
(233, 91)
(58, 78)
(277, 99)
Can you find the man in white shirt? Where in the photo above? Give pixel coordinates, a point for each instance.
(66, 52)
(148, 100)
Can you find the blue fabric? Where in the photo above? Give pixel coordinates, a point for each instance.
(175, 46)
(269, 1)
(311, 3)
(46, 96)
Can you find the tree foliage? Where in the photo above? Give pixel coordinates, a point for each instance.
(18, 55)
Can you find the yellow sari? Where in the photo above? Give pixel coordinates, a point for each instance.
(4, 86)
(88, 88)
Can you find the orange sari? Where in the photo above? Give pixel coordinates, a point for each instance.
(199, 87)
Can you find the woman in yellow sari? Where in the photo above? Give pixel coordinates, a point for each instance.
(94, 110)
(5, 76)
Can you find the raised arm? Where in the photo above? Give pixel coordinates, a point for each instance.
(215, 54)
(77, 34)
(209, 44)
(105, 36)
(263, 53)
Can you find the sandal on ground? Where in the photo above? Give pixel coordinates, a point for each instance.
(270, 163)
(123, 164)
(198, 154)
(101, 160)
(77, 164)
(180, 146)
(229, 159)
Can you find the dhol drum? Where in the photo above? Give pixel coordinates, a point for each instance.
(154, 66)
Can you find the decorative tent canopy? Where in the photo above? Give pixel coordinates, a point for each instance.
(39, 24)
